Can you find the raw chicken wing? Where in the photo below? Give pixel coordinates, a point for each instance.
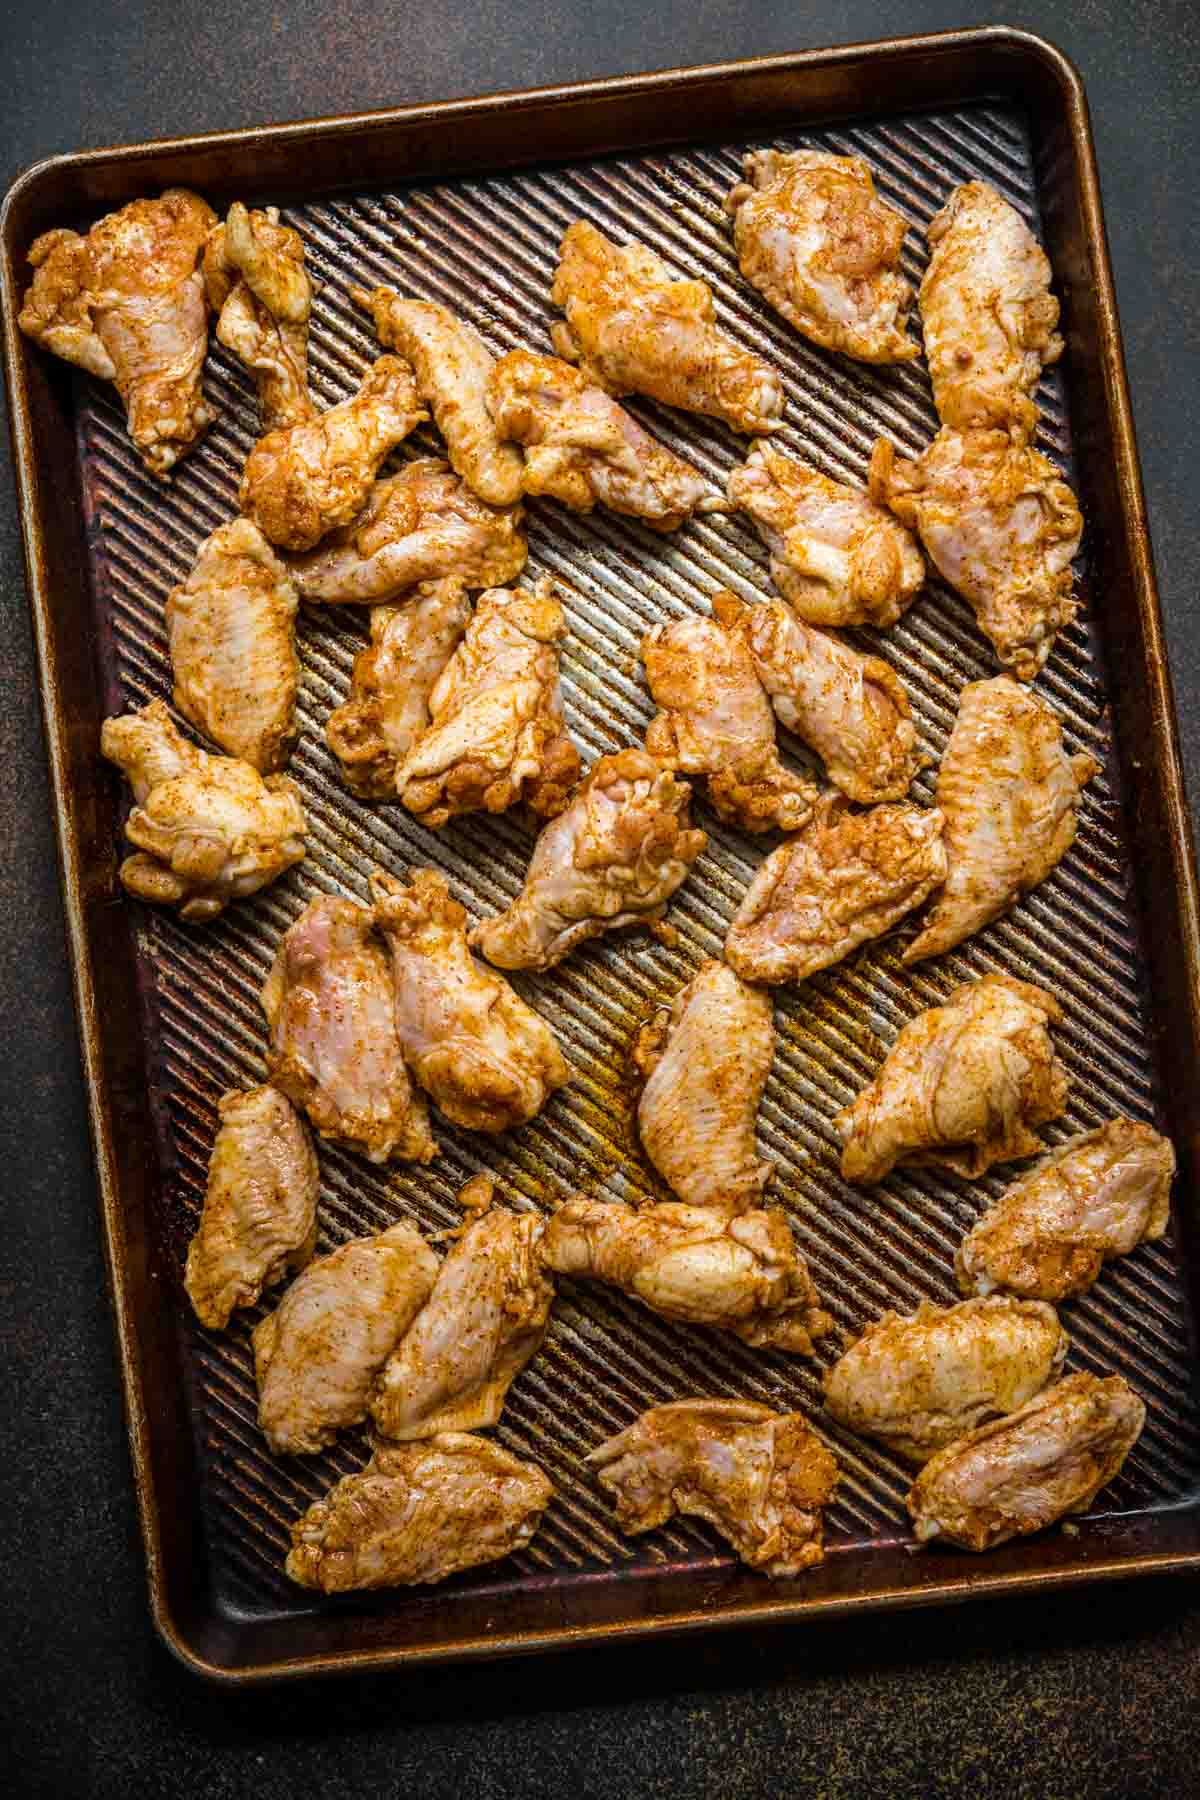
(1021, 1473)
(372, 732)
(313, 477)
(1097, 1196)
(634, 329)
(486, 1059)
(496, 735)
(705, 1064)
(127, 304)
(759, 1477)
(334, 1048)
(612, 860)
(1001, 525)
(846, 878)
(987, 312)
(260, 1206)
(256, 281)
(317, 1354)
(919, 1383)
(232, 628)
(584, 449)
(963, 1085)
(837, 556)
(484, 1320)
(418, 1513)
(743, 1274)
(815, 238)
(717, 721)
(206, 829)
(452, 365)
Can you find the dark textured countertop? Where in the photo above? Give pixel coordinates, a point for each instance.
(1089, 1694)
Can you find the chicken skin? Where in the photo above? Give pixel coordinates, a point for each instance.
(846, 878)
(585, 450)
(964, 1085)
(987, 312)
(334, 1048)
(1001, 525)
(484, 1320)
(206, 829)
(759, 1477)
(743, 1274)
(1008, 792)
(919, 1383)
(232, 629)
(611, 861)
(452, 365)
(817, 241)
(851, 709)
(260, 1206)
(1019, 1474)
(373, 731)
(420, 525)
(717, 721)
(308, 480)
(317, 1355)
(418, 1513)
(634, 329)
(1097, 1196)
(256, 282)
(837, 556)
(484, 1057)
(496, 734)
(705, 1065)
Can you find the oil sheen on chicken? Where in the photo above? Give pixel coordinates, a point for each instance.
(256, 281)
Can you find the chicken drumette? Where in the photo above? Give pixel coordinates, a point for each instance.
(256, 281)
(127, 304)
(612, 860)
(817, 241)
(634, 329)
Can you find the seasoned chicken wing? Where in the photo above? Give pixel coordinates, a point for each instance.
(634, 329)
(372, 732)
(334, 1048)
(418, 1513)
(260, 1206)
(484, 1320)
(987, 312)
(759, 1477)
(743, 1275)
(1097, 1196)
(1001, 525)
(717, 721)
(419, 525)
(256, 281)
(837, 556)
(585, 450)
(919, 1383)
(127, 304)
(232, 629)
(846, 878)
(317, 1354)
(206, 829)
(486, 1059)
(496, 734)
(313, 477)
(851, 709)
(965, 1084)
(612, 860)
(815, 238)
(452, 365)
(1008, 791)
(1020, 1474)
(705, 1064)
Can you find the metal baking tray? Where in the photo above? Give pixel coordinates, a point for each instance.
(465, 202)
